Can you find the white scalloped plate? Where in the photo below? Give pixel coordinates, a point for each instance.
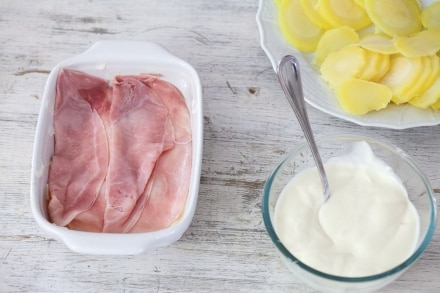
(316, 91)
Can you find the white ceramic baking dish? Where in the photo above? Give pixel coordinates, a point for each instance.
(106, 59)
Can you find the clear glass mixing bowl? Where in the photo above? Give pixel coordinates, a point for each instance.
(416, 183)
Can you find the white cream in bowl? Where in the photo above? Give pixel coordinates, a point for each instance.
(368, 225)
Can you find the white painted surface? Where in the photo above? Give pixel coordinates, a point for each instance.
(248, 125)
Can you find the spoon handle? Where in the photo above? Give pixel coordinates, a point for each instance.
(290, 79)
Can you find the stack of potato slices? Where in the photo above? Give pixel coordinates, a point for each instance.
(370, 52)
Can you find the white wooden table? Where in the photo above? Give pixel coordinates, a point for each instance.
(247, 126)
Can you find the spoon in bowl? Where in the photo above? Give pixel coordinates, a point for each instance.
(290, 79)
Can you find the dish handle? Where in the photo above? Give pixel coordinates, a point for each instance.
(124, 50)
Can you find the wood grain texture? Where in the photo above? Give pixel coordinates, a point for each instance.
(248, 125)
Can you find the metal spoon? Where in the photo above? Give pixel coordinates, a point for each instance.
(290, 79)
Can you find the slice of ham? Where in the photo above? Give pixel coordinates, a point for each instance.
(169, 183)
(80, 159)
(122, 160)
(91, 220)
(140, 131)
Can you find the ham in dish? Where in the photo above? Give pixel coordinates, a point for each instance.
(122, 158)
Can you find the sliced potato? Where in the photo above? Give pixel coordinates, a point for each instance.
(436, 105)
(373, 62)
(398, 63)
(379, 43)
(361, 3)
(430, 91)
(430, 98)
(422, 81)
(342, 64)
(423, 43)
(383, 68)
(358, 96)
(432, 65)
(297, 28)
(279, 2)
(401, 76)
(431, 16)
(343, 12)
(395, 17)
(333, 40)
(309, 7)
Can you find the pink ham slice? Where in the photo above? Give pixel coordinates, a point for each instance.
(80, 159)
(140, 131)
(125, 164)
(169, 183)
(91, 220)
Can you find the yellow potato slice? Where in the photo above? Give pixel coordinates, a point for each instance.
(432, 65)
(358, 96)
(333, 40)
(279, 2)
(430, 98)
(382, 68)
(401, 76)
(429, 92)
(297, 28)
(342, 64)
(309, 9)
(431, 16)
(379, 43)
(435, 63)
(423, 43)
(361, 3)
(343, 12)
(395, 17)
(422, 81)
(372, 63)
(436, 105)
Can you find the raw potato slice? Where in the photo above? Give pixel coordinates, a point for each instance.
(361, 3)
(431, 16)
(383, 68)
(358, 97)
(401, 76)
(430, 92)
(342, 64)
(436, 105)
(429, 98)
(343, 12)
(297, 28)
(310, 11)
(423, 80)
(379, 43)
(334, 40)
(423, 43)
(372, 64)
(434, 70)
(279, 2)
(395, 17)
(435, 63)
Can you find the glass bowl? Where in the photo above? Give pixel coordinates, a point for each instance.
(419, 191)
